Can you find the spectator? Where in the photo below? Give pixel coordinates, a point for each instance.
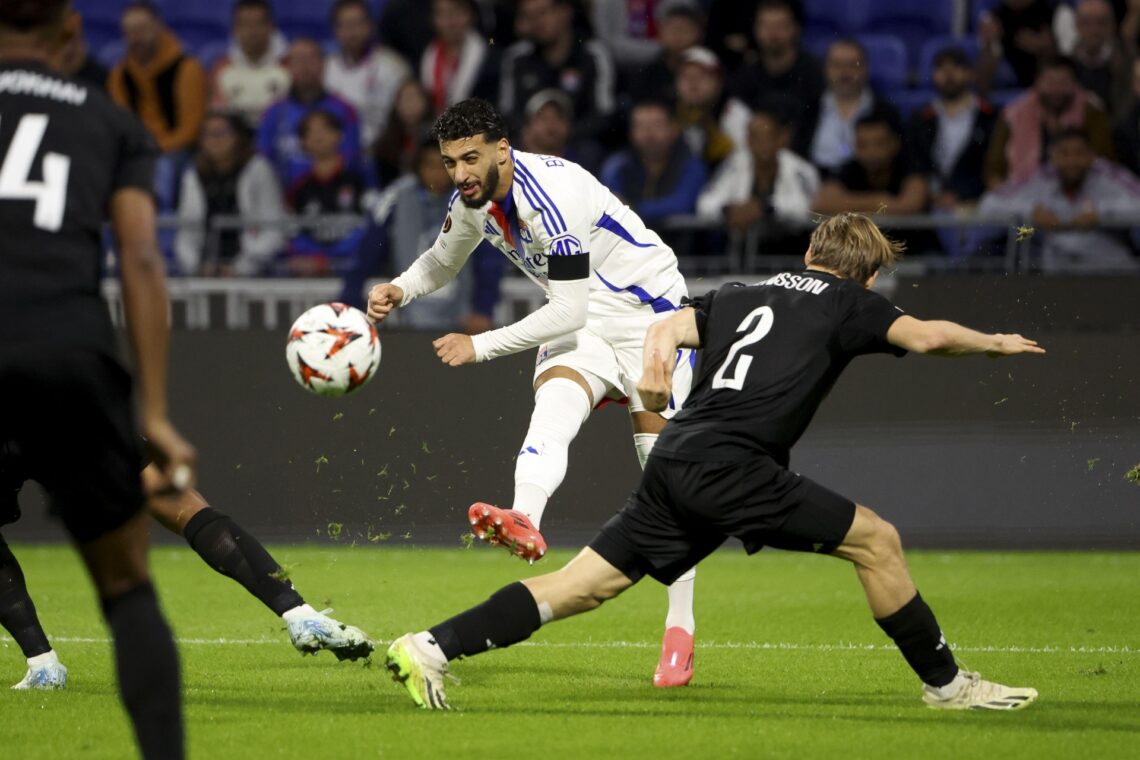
(404, 223)
(1103, 65)
(1128, 126)
(79, 64)
(763, 181)
(827, 140)
(948, 137)
(331, 187)
(458, 64)
(251, 75)
(553, 55)
(680, 26)
(1067, 200)
(1019, 32)
(1130, 26)
(158, 81)
(405, 28)
(658, 176)
(700, 105)
(1022, 135)
(548, 126)
(629, 30)
(412, 117)
(278, 134)
(729, 24)
(228, 178)
(362, 71)
(879, 179)
(783, 74)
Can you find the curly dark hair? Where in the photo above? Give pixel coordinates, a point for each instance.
(468, 118)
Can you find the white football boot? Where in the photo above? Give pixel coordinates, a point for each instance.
(420, 673)
(311, 631)
(978, 694)
(45, 672)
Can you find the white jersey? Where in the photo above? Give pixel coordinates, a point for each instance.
(568, 233)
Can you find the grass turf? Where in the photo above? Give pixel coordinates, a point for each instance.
(789, 662)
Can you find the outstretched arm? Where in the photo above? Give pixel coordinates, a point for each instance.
(942, 338)
(661, 343)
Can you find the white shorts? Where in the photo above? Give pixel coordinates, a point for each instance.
(609, 348)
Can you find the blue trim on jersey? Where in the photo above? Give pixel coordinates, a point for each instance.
(609, 224)
(511, 211)
(547, 221)
(530, 178)
(451, 201)
(660, 304)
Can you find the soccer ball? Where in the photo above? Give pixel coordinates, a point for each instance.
(332, 350)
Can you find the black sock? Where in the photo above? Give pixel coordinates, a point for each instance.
(147, 663)
(508, 617)
(918, 637)
(17, 612)
(227, 548)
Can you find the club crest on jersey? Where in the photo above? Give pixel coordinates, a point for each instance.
(565, 245)
(447, 224)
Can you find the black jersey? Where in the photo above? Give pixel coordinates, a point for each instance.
(769, 354)
(65, 148)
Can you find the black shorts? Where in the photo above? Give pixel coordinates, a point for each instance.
(67, 413)
(682, 511)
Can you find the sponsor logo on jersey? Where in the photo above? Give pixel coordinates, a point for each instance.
(798, 282)
(565, 245)
(447, 224)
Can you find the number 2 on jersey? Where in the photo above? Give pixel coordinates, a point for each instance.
(50, 194)
(763, 318)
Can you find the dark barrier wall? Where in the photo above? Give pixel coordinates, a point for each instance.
(1024, 452)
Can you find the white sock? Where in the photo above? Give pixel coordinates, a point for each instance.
(560, 408)
(427, 644)
(643, 443)
(47, 658)
(680, 613)
(298, 613)
(950, 689)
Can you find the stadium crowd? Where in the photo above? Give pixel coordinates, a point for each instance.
(738, 115)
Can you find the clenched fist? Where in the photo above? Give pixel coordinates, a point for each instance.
(382, 299)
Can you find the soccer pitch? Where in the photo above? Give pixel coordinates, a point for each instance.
(789, 662)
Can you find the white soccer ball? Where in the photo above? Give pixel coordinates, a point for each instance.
(332, 350)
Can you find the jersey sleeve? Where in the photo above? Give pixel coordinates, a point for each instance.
(865, 325)
(439, 264)
(138, 154)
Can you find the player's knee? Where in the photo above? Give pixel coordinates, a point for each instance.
(885, 544)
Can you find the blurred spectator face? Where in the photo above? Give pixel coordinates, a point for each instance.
(951, 79)
(141, 33)
(766, 137)
(1096, 24)
(846, 71)
(876, 146)
(1072, 157)
(452, 20)
(431, 172)
(1056, 87)
(698, 85)
(217, 141)
(353, 30)
(306, 65)
(252, 29)
(412, 105)
(545, 21)
(320, 136)
(652, 133)
(548, 131)
(776, 30)
(678, 32)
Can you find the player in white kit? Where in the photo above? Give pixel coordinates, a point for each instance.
(607, 278)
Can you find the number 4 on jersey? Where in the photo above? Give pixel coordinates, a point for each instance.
(763, 318)
(50, 194)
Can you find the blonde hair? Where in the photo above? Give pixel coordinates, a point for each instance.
(853, 246)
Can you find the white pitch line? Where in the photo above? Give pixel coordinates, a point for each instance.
(736, 645)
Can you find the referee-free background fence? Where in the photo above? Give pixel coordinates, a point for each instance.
(1030, 452)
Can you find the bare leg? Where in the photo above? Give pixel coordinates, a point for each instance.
(873, 546)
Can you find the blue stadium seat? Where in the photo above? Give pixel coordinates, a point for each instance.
(1005, 75)
(829, 19)
(1002, 98)
(303, 18)
(909, 101)
(111, 53)
(198, 24)
(913, 22)
(886, 58)
(209, 53)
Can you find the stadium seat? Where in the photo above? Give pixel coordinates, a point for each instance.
(1002, 98)
(1005, 76)
(111, 53)
(909, 101)
(829, 19)
(913, 23)
(886, 58)
(209, 53)
(198, 24)
(303, 18)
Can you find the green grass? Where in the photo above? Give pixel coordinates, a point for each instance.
(789, 663)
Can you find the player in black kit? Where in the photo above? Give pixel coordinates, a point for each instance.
(769, 355)
(69, 158)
